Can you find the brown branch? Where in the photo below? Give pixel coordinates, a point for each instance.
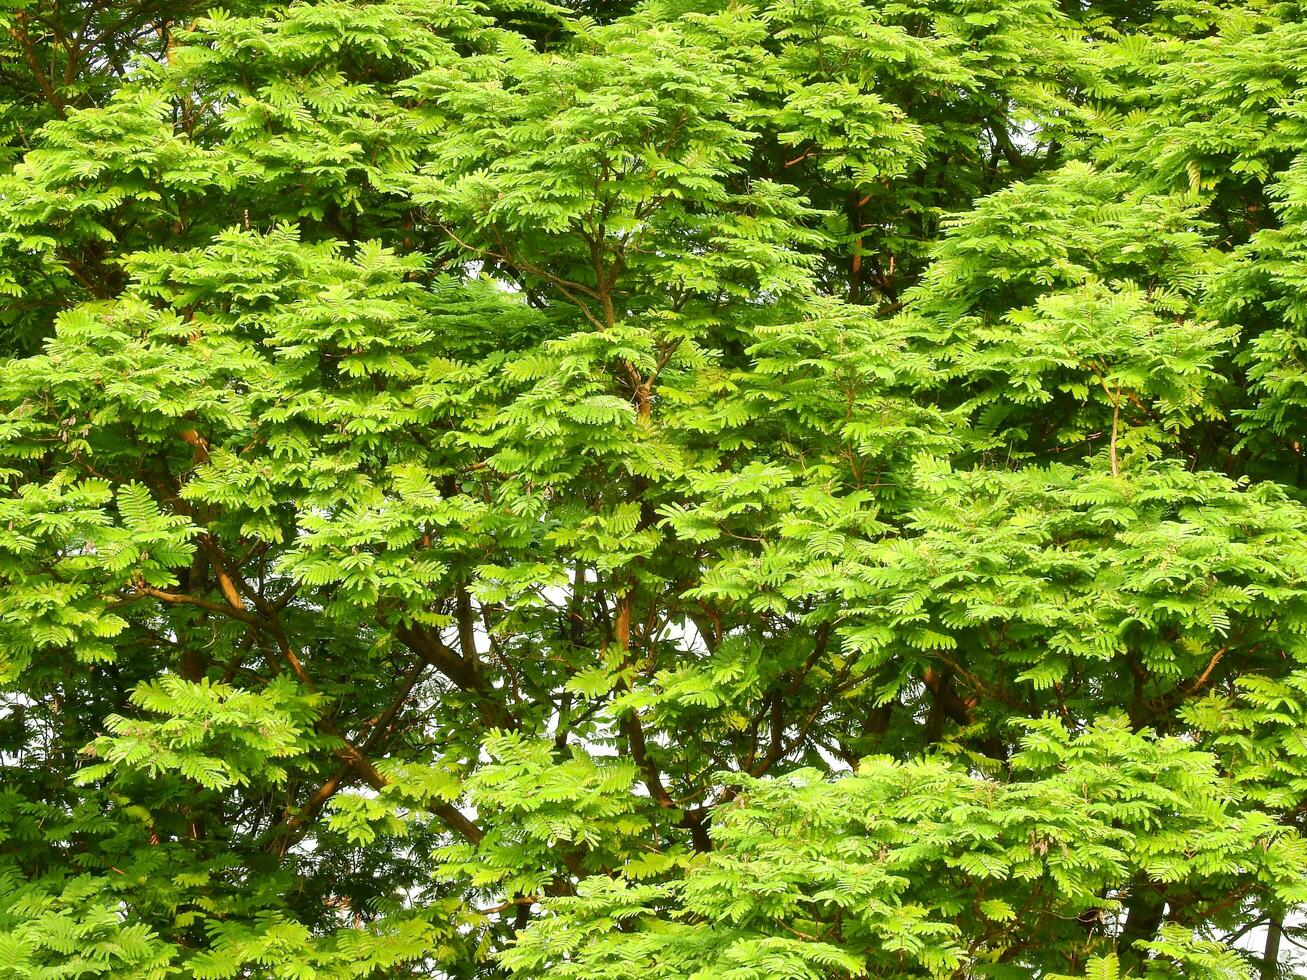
(24, 39)
(466, 627)
(941, 691)
(527, 900)
(449, 814)
(353, 757)
(1202, 678)
(820, 642)
(1004, 143)
(465, 674)
(565, 286)
(634, 732)
(381, 726)
(1169, 701)
(940, 686)
(190, 600)
(286, 832)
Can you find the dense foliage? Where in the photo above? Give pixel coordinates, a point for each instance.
(733, 489)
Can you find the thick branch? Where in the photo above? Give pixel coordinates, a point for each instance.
(465, 674)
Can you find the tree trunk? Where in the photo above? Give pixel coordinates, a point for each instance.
(1271, 952)
(1145, 910)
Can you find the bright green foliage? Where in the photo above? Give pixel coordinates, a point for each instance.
(913, 868)
(685, 489)
(213, 735)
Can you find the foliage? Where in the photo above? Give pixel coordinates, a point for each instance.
(686, 489)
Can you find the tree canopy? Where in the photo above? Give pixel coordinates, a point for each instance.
(680, 489)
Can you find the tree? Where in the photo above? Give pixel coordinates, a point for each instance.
(778, 489)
